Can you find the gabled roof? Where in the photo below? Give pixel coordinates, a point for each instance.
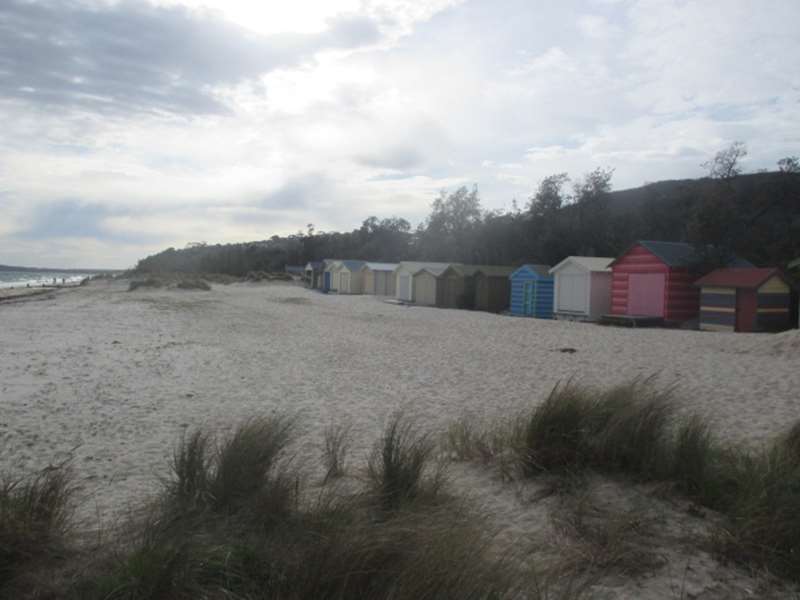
(352, 265)
(738, 278)
(495, 270)
(315, 265)
(377, 266)
(433, 268)
(596, 264)
(540, 270)
(462, 270)
(679, 254)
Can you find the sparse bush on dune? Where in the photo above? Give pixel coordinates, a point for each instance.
(150, 282)
(34, 520)
(193, 284)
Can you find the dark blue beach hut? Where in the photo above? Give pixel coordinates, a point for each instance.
(532, 291)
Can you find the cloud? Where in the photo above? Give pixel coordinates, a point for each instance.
(399, 158)
(132, 56)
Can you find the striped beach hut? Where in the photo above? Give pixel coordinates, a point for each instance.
(656, 279)
(582, 288)
(379, 278)
(492, 290)
(744, 300)
(532, 291)
(349, 277)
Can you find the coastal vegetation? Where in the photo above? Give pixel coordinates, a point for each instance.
(755, 216)
(237, 515)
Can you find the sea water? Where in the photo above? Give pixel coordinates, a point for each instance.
(17, 279)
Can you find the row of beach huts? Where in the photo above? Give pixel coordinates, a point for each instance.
(651, 283)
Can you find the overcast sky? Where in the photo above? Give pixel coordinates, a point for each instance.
(130, 126)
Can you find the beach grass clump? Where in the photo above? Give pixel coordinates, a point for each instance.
(335, 447)
(402, 469)
(35, 516)
(328, 546)
(763, 508)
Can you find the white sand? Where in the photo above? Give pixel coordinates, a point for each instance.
(112, 378)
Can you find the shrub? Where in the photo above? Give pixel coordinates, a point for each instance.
(401, 469)
(193, 284)
(34, 519)
(150, 282)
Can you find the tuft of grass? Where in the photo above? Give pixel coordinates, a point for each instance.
(335, 447)
(763, 524)
(190, 467)
(34, 519)
(246, 465)
(555, 435)
(401, 468)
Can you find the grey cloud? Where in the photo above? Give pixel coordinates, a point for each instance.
(298, 193)
(72, 218)
(133, 56)
(396, 157)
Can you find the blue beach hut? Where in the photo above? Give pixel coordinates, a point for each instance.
(532, 291)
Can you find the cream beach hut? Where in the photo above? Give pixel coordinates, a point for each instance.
(582, 288)
(331, 275)
(426, 284)
(379, 278)
(349, 277)
(404, 278)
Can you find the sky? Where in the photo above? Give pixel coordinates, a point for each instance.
(129, 126)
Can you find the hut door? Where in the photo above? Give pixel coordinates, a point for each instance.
(646, 294)
(746, 309)
(327, 278)
(404, 283)
(529, 298)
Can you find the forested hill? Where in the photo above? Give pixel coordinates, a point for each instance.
(756, 216)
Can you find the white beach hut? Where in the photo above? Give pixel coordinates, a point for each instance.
(404, 277)
(582, 288)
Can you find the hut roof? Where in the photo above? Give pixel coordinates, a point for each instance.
(681, 254)
(795, 264)
(377, 266)
(738, 278)
(433, 268)
(540, 270)
(352, 265)
(495, 270)
(315, 265)
(590, 263)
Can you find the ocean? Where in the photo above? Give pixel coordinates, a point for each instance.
(15, 279)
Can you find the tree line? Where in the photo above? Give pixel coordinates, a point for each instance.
(756, 216)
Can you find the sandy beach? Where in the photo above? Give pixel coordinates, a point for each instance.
(110, 378)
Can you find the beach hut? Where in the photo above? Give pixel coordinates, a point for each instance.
(582, 288)
(348, 277)
(744, 300)
(330, 281)
(455, 286)
(492, 290)
(379, 278)
(532, 291)
(425, 289)
(655, 279)
(313, 274)
(404, 278)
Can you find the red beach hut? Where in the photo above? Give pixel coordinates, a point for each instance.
(654, 279)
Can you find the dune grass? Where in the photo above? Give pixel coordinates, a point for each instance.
(336, 445)
(35, 516)
(232, 521)
(636, 431)
(402, 469)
